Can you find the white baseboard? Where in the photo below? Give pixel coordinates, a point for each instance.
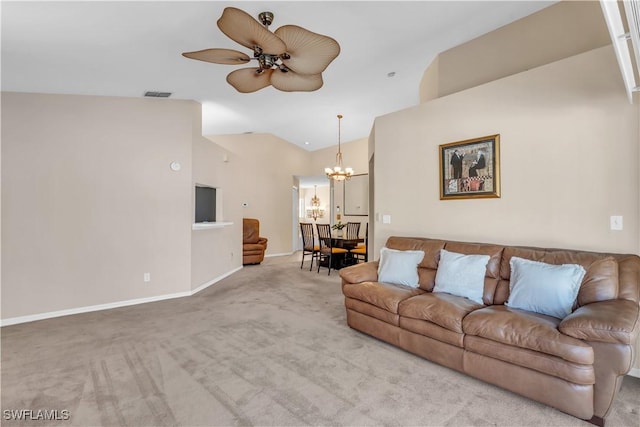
(90, 308)
(211, 282)
(282, 254)
(634, 372)
(100, 307)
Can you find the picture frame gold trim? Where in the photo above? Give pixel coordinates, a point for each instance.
(470, 169)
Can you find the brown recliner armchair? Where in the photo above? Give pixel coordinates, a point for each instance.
(253, 246)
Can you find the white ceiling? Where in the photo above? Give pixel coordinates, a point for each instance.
(126, 48)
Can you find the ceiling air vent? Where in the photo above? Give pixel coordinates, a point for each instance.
(157, 94)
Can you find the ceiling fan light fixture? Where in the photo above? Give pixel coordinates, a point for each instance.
(301, 55)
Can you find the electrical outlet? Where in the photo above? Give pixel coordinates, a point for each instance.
(147, 277)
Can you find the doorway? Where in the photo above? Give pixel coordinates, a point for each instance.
(308, 187)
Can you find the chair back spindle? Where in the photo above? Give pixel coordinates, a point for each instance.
(353, 230)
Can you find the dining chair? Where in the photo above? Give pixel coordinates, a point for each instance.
(308, 245)
(361, 252)
(327, 251)
(353, 230)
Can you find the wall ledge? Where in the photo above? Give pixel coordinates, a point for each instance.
(210, 225)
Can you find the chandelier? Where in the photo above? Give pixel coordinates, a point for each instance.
(315, 212)
(337, 173)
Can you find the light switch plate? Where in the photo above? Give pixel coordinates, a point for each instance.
(616, 222)
(386, 219)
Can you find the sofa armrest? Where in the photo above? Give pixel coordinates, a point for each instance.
(263, 241)
(363, 272)
(613, 321)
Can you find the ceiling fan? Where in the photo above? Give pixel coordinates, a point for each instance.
(290, 59)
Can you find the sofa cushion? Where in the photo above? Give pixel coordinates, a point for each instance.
(371, 311)
(613, 321)
(252, 247)
(383, 295)
(399, 267)
(526, 329)
(443, 309)
(250, 230)
(461, 275)
(361, 272)
(600, 283)
(551, 365)
(628, 268)
(430, 247)
(544, 288)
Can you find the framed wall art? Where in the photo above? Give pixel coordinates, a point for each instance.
(470, 169)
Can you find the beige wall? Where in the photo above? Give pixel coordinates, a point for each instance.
(264, 166)
(558, 31)
(430, 83)
(89, 203)
(216, 252)
(569, 155)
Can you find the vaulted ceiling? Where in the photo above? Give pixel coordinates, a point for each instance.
(128, 48)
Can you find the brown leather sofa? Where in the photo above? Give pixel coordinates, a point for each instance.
(575, 364)
(253, 246)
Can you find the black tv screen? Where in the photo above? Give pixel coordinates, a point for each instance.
(205, 204)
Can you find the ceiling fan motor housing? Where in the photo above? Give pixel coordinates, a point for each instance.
(266, 18)
(268, 61)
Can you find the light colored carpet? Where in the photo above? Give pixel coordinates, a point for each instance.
(267, 346)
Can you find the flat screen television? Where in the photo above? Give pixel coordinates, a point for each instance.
(205, 204)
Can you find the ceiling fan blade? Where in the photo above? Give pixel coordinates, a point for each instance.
(219, 56)
(294, 82)
(246, 80)
(311, 53)
(240, 27)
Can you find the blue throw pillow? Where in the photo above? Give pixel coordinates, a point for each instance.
(544, 288)
(399, 267)
(461, 275)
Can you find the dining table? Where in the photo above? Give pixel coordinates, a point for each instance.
(345, 242)
(339, 261)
